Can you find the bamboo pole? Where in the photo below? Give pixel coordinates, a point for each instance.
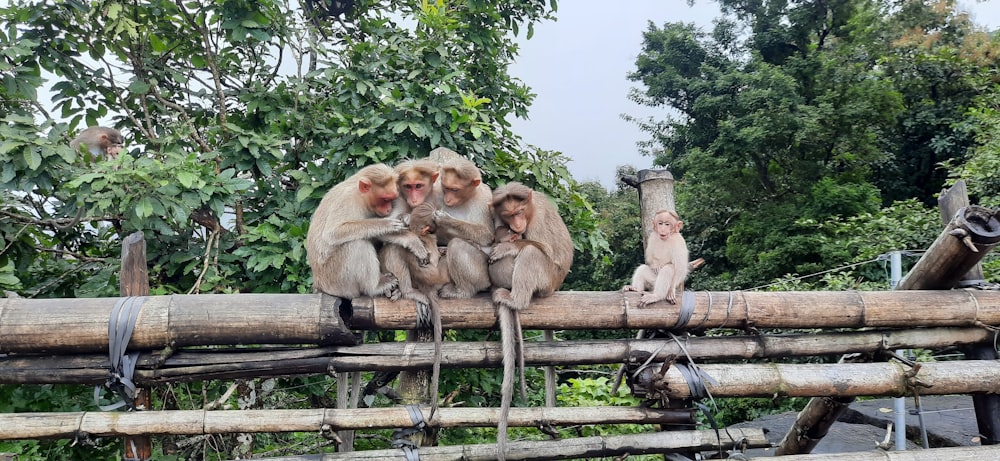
(133, 281)
(937, 454)
(206, 364)
(193, 320)
(837, 380)
(581, 447)
(199, 422)
(171, 321)
(972, 233)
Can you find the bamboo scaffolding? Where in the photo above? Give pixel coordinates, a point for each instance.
(966, 239)
(192, 320)
(198, 422)
(205, 364)
(581, 447)
(838, 380)
(938, 454)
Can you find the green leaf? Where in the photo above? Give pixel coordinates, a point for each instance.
(187, 178)
(144, 208)
(32, 158)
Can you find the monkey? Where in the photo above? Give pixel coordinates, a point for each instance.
(426, 282)
(519, 270)
(464, 226)
(666, 265)
(100, 141)
(416, 182)
(343, 231)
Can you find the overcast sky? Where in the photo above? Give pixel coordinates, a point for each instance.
(577, 66)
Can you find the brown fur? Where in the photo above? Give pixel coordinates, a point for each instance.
(340, 244)
(520, 270)
(465, 225)
(100, 141)
(416, 181)
(666, 265)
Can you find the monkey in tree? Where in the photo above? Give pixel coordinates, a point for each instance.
(666, 265)
(351, 218)
(534, 265)
(101, 142)
(465, 226)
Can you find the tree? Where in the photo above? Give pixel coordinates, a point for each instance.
(806, 115)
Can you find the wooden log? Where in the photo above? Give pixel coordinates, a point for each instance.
(970, 235)
(199, 422)
(950, 201)
(837, 380)
(191, 320)
(581, 447)
(575, 310)
(39, 325)
(133, 281)
(206, 364)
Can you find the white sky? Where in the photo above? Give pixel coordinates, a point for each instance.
(577, 66)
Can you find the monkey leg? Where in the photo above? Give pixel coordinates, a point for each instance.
(643, 278)
(662, 288)
(393, 258)
(352, 271)
(467, 268)
(533, 273)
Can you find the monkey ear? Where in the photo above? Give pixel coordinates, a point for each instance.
(475, 183)
(434, 177)
(680, 225)
(364, 185)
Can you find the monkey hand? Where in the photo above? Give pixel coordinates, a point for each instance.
(440, 215)
(629, 288)
(502, 250)
(397, 224)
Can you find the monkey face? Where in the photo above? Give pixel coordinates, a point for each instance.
(664, 225)
(381, 198)
(456, 191)
(416, 187)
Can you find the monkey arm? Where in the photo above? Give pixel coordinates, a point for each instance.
(450, 227)
(364, 229)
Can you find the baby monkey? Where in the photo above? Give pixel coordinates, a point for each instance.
(666, 265)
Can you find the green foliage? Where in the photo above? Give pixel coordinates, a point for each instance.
(818, 112)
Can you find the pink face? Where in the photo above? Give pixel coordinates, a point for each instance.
(455, 190)
(665, 225)
(416, 187)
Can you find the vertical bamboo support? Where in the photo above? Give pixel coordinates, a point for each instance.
(134, 281)
(987, 406)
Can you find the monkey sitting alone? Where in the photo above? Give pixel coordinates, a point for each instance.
(666, 265)
(100, 141)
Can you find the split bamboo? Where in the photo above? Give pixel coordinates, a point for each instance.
(41, 325)
(838, 380)
(581, 447)
(206, 364)
(199, 422)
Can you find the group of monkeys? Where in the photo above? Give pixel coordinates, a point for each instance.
(430, 228)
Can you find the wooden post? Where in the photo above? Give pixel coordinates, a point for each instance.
(415, 388)
(966, 239)
(134, 281)
(987, 406)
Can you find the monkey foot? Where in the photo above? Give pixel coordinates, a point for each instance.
(503, 297)
(450, 291)
(388, 285)
(417, 296)
(629, 288)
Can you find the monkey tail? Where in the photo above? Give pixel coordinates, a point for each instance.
(508, 343)
(435, 305)
(519, 337)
